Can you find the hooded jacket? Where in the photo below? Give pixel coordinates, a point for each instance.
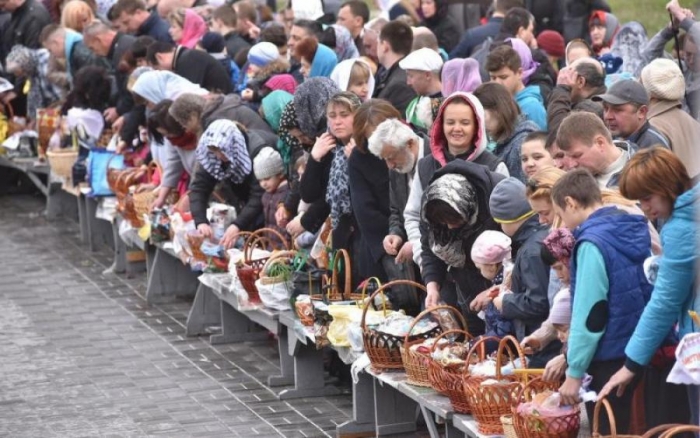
(681, 130)
(231, 107)
(531, 103)
(443, 26)
(428, 165)
(675, 289)
(467, 277)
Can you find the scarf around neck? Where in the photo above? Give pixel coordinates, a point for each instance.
(338, 191)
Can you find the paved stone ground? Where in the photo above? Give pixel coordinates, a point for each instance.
(82, 355)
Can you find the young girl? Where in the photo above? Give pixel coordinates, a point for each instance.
(533, 154)
(491, 255)
(355, 76)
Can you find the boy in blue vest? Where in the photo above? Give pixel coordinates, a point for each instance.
(608, 288)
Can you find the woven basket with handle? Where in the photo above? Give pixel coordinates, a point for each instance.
(62, 161)
(669, 429)
(534, 426)
(416, 363)
(248, 269)
(332, 287)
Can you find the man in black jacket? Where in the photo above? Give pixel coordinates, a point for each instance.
(194, 65)
(112, 45)
(133, 16)
(395, 42)
(224, 21)
(27, 19)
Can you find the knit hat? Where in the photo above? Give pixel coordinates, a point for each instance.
(508, 202)
(663, 80)
(552, 43)
(423, 60)
(267, 163)
(285, 82)
(491, 247)
(262, 54)
(212, 42)
(560, 313)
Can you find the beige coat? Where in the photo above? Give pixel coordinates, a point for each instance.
(682, 131)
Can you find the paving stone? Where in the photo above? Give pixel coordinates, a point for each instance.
(83, 354)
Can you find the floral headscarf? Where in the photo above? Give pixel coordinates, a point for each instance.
(225, 136)
(310, 103)
(560, 242)
(345, 46)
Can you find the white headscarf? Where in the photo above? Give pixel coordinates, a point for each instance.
(155, 86)
(341, 75)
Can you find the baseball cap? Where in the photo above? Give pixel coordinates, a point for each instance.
(424, 59)
(625, 91)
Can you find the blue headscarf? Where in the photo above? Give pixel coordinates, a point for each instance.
(157, 85)
(324, 62)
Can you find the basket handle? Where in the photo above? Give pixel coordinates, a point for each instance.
(482, 348)
(363, 325)
(259, 236)
(503, 345)
(466, 334)
(276, 257)
(335, 269)
(596, 420)
(679, 429)
(429, 312)
(661, 430)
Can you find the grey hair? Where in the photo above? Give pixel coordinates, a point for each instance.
(392, 132)
(96, 28)
(186, 106)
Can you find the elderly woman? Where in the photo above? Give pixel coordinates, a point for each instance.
(223, 156)
(455, 210)
(33, 65)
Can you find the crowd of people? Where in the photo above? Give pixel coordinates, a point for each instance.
(537, 171)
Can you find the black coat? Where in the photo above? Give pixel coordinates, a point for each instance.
(369, 191)
(391, 86)
(24, 27)
(81, 56)
(201, 68)
(234, 44)
(446, 31)
(124, 100)
(468, 277)
(156, 28)
(246, 197)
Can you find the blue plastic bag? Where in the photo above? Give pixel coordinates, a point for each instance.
(99, 161)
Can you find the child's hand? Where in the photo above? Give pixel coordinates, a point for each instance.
(247, 94)
(482, 300)
(554, 370)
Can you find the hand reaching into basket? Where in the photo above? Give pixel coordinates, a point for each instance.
(619, 380)
(432, 298)
(230, 236)
(569, 392)
(555, 369)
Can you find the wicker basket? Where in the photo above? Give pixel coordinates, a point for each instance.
(509, 427)
(248, 270)
(278, 257)
(383, 350)
(531, 426)
(415, 363)
(62, 161)
(47, 121)
(489, 403)
(331, 285)
(360, 298)
(305, 313)
(448, 380)
(669, 429)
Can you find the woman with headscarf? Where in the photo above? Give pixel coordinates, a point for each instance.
(186, 27)
(602, 27)
(33, 65)
(355, 76)
(436, 17)
(629, 44)
(223, 156)
(538, 75)
(460, 75)
(345, 47)
(272, 107)
(316, 59)
(455, 210)
(153, 86)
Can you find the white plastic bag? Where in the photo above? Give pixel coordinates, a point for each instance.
(276, 295)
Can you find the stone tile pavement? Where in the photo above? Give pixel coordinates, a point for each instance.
(82, 355)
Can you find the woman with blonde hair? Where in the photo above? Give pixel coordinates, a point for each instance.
(186, 27)
(76, 15)
(539, 194)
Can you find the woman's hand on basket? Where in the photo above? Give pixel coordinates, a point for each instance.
(619, 380)
(230, 236)
(432, 299)
(294, 228)
(555, 369)
(205, 230)
(569, 392)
